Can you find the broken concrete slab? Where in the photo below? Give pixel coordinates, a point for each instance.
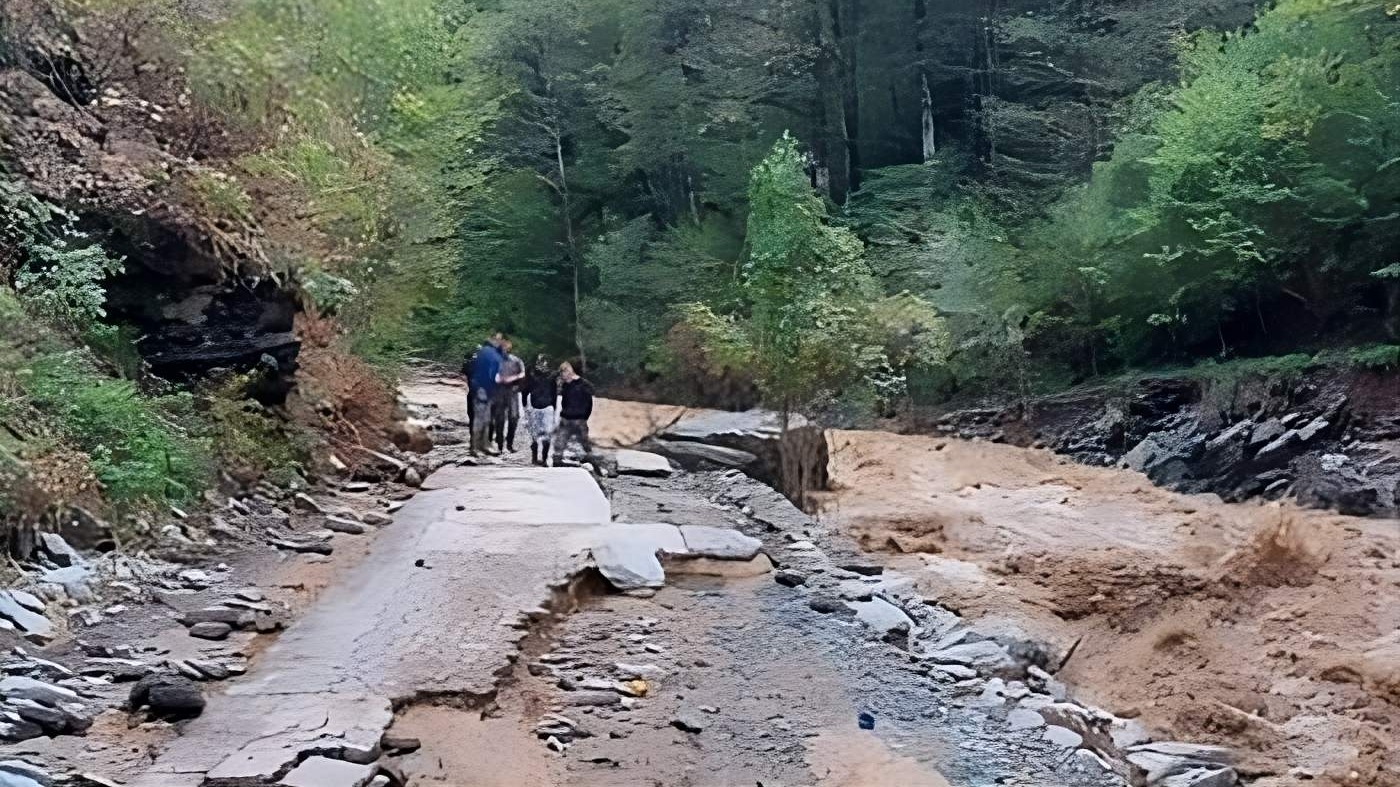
(499, 539)
(719, 543)
(643, 463)
(629, 565)
(325, 772)
(699, 455)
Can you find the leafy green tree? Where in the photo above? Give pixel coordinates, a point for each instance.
(816, 321)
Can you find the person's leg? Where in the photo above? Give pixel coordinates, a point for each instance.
(512, 421)
(583, 439)
(547, 428)
(481, 422)
(561, 439)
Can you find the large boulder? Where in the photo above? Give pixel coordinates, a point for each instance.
(167, 697)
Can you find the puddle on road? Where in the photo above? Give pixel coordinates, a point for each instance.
(845, 759)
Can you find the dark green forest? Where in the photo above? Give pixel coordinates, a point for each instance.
(836, 206)
(1069, 190)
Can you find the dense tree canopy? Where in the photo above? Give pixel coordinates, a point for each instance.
(953, 206)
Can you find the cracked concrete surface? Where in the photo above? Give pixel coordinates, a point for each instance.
(429, 613)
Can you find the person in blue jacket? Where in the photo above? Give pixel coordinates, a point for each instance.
(483, 372)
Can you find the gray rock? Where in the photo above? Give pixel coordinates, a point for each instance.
(1282, 441)
(18, 687)
(305, 502)
(1024, 719)
(212, 630)
(343, 525)
(629, 564)
(32, 625)
(58, 550)
(790, 578)
(1202, 777)
(76, 582)
(1267, 432)
(591, 698)
(691, 720)
(1192, 752)
(24, 770)
(884, 619)
(228, 615)
(325, 772)
(168, 696)
(1312, 429)
(720, 543)
(29, 601)
(412, 477)
(377, 518)
(985, 655)
(8, 779)
(642, 463)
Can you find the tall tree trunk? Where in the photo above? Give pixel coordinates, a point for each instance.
(575, 261)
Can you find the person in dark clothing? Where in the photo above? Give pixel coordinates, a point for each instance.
(575, 408)
(483, 375)
(540, 390)
(505, 402)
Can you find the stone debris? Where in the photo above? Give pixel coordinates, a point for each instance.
(304, 502)
(211, 630)
(167, 697)
(32, 708)
(719, 543)
(340, 524)
(57, 551)
(19, 611)
(984, 656)
(18, 773)
(325, 772)
(885, 620)
(642, 463)
(318, 547)
(689, 720)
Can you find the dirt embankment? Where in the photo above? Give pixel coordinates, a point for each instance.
(1264, 627)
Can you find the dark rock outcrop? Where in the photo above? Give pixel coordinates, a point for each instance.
(1327, 439)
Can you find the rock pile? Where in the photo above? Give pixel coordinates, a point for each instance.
(1328, 440)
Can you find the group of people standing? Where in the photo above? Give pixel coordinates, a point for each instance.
(556, 406)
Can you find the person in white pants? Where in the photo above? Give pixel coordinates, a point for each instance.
(540, 390)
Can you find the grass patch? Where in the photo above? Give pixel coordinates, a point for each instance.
(252, 443)
(138, 445)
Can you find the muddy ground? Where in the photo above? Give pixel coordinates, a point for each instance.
(1264, 627)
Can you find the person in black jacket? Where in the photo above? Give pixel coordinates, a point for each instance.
(540, 390)
(575, 407)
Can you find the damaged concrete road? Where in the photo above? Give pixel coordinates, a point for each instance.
(432, 613)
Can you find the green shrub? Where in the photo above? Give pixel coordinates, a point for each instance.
(251, 442)
(1375, 357)
(140, 446)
